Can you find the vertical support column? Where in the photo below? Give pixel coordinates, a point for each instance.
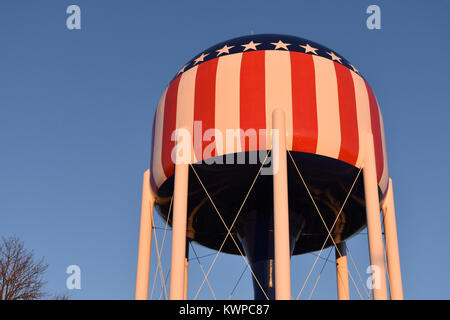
(180, 197)
(281, 209)
(376, 247)
(145, 240)
(186, 270)
(342, 272)
(390, 235)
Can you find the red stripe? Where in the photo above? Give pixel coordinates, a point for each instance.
(376, 131)
(252, 97)
(204, 102)
(169, 126)
(152, 178)
(304, 107)
(347, 115)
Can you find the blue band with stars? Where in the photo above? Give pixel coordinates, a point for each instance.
(266, 42)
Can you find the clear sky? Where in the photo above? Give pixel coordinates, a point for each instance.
(76, 110)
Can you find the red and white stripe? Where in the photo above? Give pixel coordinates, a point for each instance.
(227, 110)
(328, 108)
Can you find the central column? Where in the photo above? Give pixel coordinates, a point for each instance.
(255, 233)
(256, 237)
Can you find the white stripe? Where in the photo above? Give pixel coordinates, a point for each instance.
(157, 169)
(362, 113)
(228, 101)
(278, 90)
(329, 131)
(385, 176)
(185, 104)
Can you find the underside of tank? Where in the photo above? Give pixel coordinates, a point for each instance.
(328, 181)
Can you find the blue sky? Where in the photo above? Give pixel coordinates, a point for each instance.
(76, 111)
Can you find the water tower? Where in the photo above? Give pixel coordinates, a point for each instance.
(270, 146)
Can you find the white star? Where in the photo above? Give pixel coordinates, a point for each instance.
(308, 48)
(280, 44)
(250, 45)
(225, 49)
(334, 57)
(353, 67)
(201, 58)
(182, 69)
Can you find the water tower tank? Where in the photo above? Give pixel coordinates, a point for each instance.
(233, 87)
